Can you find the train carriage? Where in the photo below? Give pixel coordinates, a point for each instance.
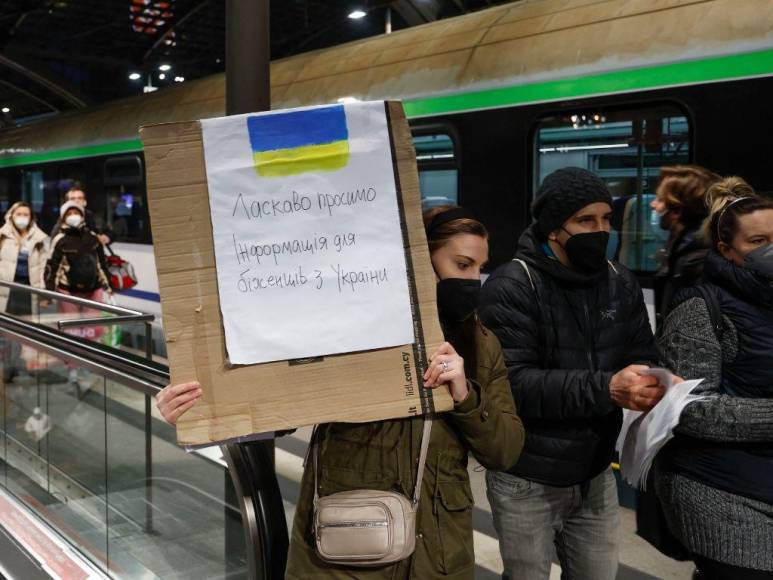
(496, 99)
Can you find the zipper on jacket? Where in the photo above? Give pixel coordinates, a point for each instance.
(589, 335)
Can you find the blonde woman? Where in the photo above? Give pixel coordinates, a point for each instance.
(23, 254)
(715, 480)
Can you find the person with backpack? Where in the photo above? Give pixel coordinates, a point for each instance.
(715, 479)
(94, 221)
(77, 266)
(577, 343)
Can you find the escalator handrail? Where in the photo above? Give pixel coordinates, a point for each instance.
(93, 304)
(138, 373)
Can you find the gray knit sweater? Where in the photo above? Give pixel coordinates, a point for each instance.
(710, 522)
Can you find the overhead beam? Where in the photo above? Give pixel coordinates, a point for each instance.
(38, 79)
(29, 95)
(417, 12)
(19, 53)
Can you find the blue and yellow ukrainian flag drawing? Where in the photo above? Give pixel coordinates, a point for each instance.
(299, 141)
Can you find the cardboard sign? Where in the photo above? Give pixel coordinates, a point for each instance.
(241, 400)
(308, 245)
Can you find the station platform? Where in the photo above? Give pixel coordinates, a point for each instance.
(93, 484)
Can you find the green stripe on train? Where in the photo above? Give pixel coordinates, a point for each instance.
(683, 73)
(127, 146)
(698, 71)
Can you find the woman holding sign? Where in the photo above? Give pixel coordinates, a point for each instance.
(383, 455)
(715, 479)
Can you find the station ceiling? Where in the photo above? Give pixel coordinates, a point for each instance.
(59, 55)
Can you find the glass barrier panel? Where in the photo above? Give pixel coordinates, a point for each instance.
(55, 444)
(92, 458)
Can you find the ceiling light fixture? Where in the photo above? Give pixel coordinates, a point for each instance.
(179, 79)
(6, 110)
(357, 14)
(164, 67)
(161, 76)
(135, 76)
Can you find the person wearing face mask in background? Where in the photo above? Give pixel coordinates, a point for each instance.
(680, 201)
(77, 266)
(715, 479)
(375, 455)
(94, 221)
(23, 254)
(577, 342)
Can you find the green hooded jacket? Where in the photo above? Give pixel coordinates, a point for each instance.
(383, 455)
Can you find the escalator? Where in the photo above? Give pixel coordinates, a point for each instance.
(84, 450)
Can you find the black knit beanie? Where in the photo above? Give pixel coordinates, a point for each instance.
(562, 194)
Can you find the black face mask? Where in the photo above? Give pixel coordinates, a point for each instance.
(665, 221)
(457, 299)
(588, 252)
(761, 260)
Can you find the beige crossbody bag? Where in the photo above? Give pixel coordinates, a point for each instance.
(367, 527)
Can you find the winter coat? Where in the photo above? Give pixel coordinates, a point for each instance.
(682, 268)
(713, 477)
(562, 345)
(383, 455)
(11, 243)
(65, 248)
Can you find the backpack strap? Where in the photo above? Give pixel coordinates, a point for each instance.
(548, 350)
(528, 273)
(715, 310)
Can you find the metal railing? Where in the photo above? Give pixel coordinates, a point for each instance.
(249, 464)
(122, 315)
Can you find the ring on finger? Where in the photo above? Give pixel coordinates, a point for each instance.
(444, 364)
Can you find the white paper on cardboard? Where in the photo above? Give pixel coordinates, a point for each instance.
(308, 244)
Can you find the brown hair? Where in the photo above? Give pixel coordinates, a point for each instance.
(440, 235)
(728, 200)
(463, 336)
(685, 189)
(74, 186)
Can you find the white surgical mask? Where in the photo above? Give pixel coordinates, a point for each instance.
(73, 220)
(21, 222)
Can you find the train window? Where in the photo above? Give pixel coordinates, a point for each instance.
(127, 210)
(124, 170)
(5, 192)
(37, 187)
(626, 148)
(438, 167)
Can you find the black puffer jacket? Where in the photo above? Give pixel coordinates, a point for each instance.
(562, 348)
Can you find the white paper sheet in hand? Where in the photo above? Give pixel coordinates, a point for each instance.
(308, 244)
(644, 434)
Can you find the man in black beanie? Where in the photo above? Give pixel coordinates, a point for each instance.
(576, 340)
